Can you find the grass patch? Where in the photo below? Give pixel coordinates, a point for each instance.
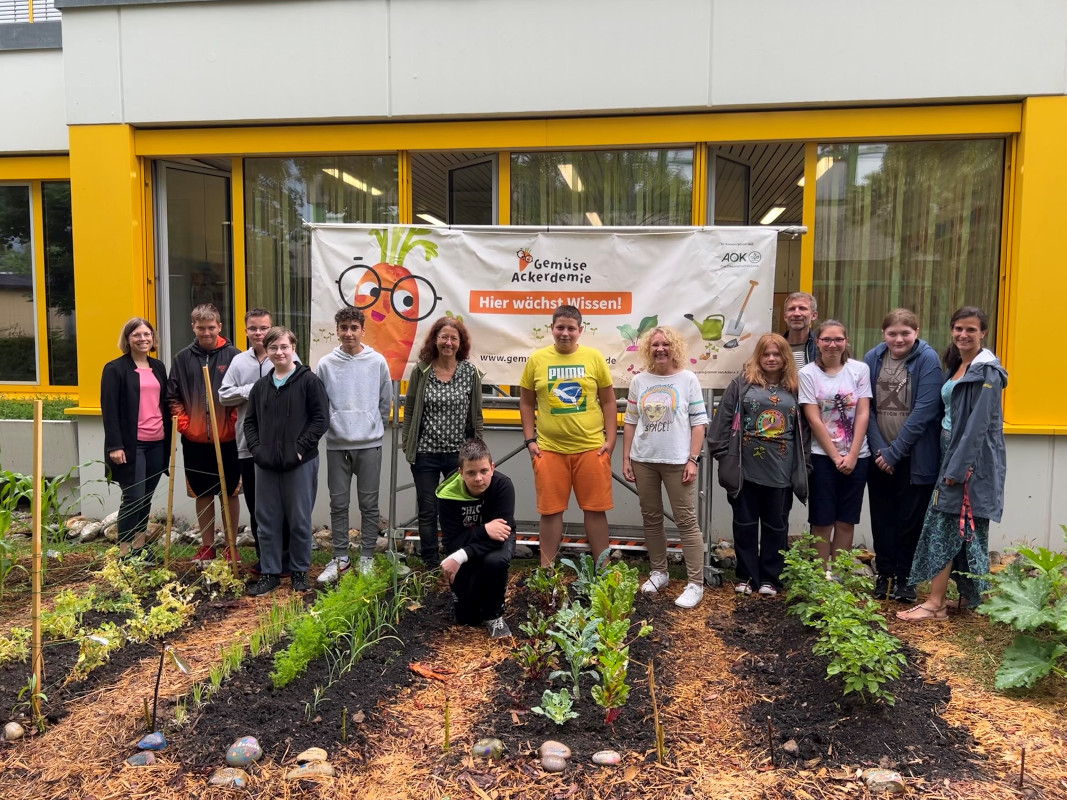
(22, 407)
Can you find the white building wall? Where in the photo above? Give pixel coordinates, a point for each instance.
(381, 59)
(33, 116)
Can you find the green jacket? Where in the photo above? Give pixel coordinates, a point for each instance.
(413, 404)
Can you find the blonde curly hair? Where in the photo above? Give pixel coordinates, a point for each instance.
(679, 349)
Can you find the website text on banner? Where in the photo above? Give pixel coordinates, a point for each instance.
(714, 285)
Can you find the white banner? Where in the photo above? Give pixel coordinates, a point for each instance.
(713, 285)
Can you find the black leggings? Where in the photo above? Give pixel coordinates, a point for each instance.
(150, 459)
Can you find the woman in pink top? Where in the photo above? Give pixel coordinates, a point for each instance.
(136, 428)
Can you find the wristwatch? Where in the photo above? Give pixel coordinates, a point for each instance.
(695, 459)
(528, 442)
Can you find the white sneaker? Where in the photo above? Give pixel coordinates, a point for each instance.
(366, 565)
(743, 588)
(768, 590)
(333, 571)
(656, 581)
(691, 597)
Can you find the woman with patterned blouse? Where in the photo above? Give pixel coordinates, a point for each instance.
(757, 437)
(442, 410)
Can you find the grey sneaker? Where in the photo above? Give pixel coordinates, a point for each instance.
(366, 565)
(498, 629)
(334, 571)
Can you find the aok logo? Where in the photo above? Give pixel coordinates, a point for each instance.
(742, 258)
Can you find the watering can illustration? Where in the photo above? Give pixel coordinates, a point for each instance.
(711, 328)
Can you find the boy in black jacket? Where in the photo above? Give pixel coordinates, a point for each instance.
(288, 412)
(477, 509)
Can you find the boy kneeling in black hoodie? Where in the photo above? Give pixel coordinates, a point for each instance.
(477, 510)
(288, 412)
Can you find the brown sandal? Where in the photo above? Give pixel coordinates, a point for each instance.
(921, 613)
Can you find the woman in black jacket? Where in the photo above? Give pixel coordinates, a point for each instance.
(136, 428)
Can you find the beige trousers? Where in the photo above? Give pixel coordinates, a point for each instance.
(650, 477)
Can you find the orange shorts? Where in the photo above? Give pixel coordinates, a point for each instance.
(588, 473)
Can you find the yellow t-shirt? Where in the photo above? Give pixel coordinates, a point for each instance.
(569, 416)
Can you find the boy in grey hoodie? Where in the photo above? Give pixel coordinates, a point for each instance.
(360, 390)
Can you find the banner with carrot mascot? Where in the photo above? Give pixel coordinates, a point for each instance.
(713, 285)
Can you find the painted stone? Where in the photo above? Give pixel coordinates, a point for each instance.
(553, 763)
(243, 752)
(311, 754)
(229, 778)
(554, 748)
(884, 780)
(153, 741)
(488, 748)
(314, 769)
(607, 758)
(13, 731)
(145, 759)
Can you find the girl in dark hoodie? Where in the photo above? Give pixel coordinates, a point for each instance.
(970, 486)
(903, 436)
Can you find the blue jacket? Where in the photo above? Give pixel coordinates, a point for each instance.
(921, 434)
(976, 444)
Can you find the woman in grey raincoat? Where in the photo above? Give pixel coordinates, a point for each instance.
(970, 485)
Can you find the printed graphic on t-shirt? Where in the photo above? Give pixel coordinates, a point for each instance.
(838, 414)
(472, 515)
(565, 395)
(658, 406)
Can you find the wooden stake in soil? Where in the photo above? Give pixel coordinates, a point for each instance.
(37, 653)
(1022, 769)
(448, 725)
(170, 492)
(227, 525)
(770, 742)
(661, 755)
(344, 725)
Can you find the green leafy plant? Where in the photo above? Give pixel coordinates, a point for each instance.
(576, 634)
(32, 698)
(1030, 595)
(64, 620)
(851, 630)
(96, 649)
(173, 607)
(557, 706)
(219, 580)
(15, 646)
(586, 570)
(548, 587)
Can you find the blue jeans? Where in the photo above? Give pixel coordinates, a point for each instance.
(428, 471)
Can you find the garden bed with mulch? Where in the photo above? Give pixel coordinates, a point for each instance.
(834, 730)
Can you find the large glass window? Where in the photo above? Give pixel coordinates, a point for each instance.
(59, 285)
(283, 193)
(602, 187)
(912, 224)
(18, 348)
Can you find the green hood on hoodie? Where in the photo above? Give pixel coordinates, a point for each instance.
(453, 488)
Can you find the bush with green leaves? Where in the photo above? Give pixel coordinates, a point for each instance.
(1030, 595)
(851, 630)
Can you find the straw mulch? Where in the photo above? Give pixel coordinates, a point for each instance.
(711, 754)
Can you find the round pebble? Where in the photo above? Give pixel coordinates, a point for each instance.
(554, 748)
(153, 741)
(488, 748)
(13, 731)
(311, 754)
(553, 763)
(314, 769)
(230, 778)
(607, 758)
(145, 759)
(243, 752)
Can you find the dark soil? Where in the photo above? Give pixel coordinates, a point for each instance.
(60, 658)
(831, 729)
(247, 705)
(632, 731)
